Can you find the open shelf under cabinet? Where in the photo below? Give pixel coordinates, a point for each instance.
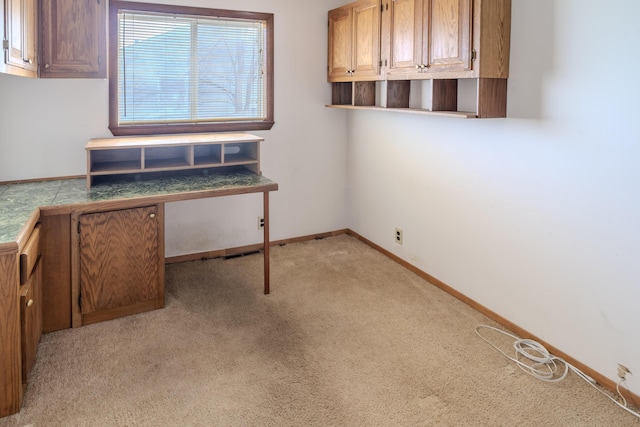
(479, 98)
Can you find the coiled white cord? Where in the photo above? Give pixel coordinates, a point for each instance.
(533, 358)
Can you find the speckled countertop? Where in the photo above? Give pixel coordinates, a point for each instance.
(18, 201)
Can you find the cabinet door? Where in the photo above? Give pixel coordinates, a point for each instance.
(366, 39)
(340, 30)
(31, 314)
(21, 34)
(10, 348)
(120, 263)
(405, 35)
(447, 30)
(73, 38)
(354, 41)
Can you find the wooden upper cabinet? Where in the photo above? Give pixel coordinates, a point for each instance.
(354, 42)
(20, 38)
(340, 42)
(73, 38)
(448, 31)
(405, 35)
(427, 36)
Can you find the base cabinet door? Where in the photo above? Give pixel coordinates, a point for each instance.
(121, 267)
(31, 315)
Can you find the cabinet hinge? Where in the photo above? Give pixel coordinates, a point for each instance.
(474, 53)
(5, 44)
(78, 227)
(80, 301)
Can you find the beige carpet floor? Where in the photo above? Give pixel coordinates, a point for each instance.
(346, 338)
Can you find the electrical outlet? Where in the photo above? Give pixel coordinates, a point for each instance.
(260, 222)
(399, 236)
(623, 371)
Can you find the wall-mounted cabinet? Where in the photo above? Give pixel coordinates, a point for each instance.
(427, 36)
(73, 38)
(19, 37)
(54, 38)
(354, 42)
(446, 57)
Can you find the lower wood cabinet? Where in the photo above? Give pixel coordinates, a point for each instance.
(30, 300)
(10, 350)
(31, 319)
(119, 263)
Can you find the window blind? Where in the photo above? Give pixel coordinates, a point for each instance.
(184, 69)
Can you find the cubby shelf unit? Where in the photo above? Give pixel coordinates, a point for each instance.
(488, 95)
(165, 153)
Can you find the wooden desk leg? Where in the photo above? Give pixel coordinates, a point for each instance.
(265, 213)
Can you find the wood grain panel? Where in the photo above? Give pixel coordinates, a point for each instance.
(10, 360)
(31, 314)
(30, 254)
(406, 34)
(448, 30)
(492, 98)
(341, 93)
(74, 38)
(364, 93)
(398, 93)
(118, 258)
(339, 42)
(495, 38)
(56, 269)
(366, 39)
(445, 95)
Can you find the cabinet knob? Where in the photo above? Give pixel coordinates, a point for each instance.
(152, 215)
(47, 66)
(30, 303)
(28, 61)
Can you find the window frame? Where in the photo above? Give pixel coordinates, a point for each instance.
(115, 6)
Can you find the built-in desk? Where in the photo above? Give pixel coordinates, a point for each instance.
(56, 205)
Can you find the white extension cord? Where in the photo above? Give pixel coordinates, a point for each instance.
(533, 358)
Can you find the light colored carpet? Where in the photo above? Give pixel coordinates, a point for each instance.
(346, 338)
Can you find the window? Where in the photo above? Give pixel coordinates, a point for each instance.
(176, 69)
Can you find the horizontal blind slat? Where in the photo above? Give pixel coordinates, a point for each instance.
(176, 69)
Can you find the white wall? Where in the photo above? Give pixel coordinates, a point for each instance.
(45, 124)
(536, 216)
